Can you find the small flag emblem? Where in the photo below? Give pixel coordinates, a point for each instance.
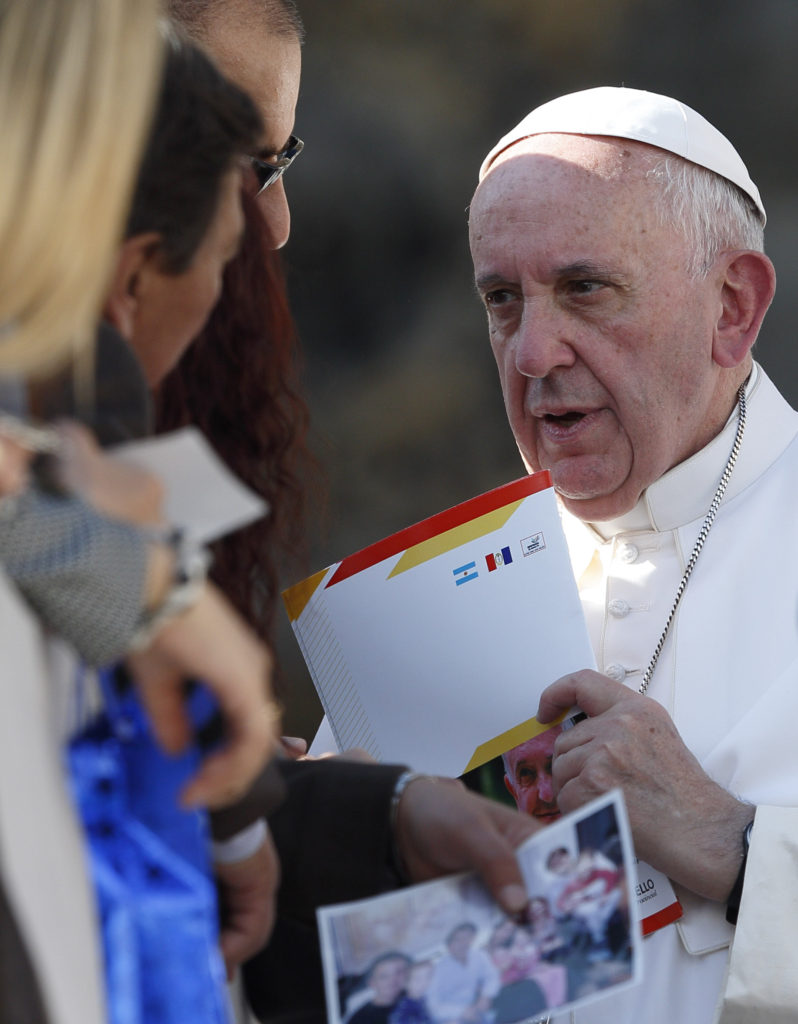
(465, 573)
(529, 545)
(499, 558)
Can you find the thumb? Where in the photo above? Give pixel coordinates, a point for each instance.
(494, 854)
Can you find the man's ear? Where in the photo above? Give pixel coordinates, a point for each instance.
(135, 258)
(747, 288)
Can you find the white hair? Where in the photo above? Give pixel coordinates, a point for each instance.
(711, 212)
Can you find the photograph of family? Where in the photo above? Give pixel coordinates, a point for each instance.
(443, 952)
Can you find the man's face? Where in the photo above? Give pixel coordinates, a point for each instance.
(460, 943)
(603, 342)
(387, 980)
(173, 308)
(562, 863)
(267, 67)
(418, 980)
(528, 777)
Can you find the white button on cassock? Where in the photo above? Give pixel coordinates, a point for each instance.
(616, 672)
(628, 553)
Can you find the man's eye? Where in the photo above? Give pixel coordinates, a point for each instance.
(499, 297)
(526, 776)
(584, 287)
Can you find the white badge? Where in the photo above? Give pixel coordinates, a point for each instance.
(656, 900)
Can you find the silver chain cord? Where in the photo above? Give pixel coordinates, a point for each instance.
(702, 536)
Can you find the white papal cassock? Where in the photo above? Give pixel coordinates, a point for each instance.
(728, 674)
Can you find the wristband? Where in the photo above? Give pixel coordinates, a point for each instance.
(242, 845)
(733, 902)
(190, 572)
(402, 783)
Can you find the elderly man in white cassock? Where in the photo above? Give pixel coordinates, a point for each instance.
(617, 241)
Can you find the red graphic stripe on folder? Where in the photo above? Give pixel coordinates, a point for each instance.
(440, 523)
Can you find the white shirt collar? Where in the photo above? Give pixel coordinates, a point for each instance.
(684, 493)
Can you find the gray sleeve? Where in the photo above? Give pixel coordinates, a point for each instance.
(82, 574)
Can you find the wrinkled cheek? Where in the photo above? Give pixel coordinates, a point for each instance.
(592, 475)
(513, 386)
(524, 430)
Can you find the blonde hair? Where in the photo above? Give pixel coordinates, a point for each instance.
(77, 81)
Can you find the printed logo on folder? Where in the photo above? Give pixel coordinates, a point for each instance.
(433, 644)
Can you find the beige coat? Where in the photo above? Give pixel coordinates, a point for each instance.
(41, 852)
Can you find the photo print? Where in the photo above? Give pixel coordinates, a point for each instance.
(443, 952)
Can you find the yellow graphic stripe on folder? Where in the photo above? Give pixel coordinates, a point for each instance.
(296, 598)
(507, 740)
(453, 538)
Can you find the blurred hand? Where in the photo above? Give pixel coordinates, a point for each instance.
(294, 747)
(682, 822)
(115, 487)
(442, 828)
(247, 902)
(212, 643)
(14, 462)
(353, 754)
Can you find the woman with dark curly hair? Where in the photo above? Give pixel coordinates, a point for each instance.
(239, 383)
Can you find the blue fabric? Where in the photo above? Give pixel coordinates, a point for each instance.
(151, 869)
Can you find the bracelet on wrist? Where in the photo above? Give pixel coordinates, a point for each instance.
(242, 845)
(191, 563)
(399, 788)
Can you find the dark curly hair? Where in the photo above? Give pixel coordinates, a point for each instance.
(239, 382)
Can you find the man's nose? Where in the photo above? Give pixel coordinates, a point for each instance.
(546, 788)
(542, 342)
(273, 204)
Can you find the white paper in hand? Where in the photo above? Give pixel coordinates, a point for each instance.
(202, 495)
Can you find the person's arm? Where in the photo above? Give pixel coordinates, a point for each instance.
(339, 838)
(84, 575)
(185, 627)
(14, 462)
(762, 982)
(211, 642)
(490, 979)
(247, 887)
(340, 835)
(247, 868)
(683, 823)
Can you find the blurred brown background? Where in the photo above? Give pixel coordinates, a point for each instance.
(400, 101)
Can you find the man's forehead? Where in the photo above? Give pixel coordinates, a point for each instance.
(561, 154)
(579, 175)
(266, 65)
(539, 746)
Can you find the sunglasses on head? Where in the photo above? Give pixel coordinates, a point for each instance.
(271, 170)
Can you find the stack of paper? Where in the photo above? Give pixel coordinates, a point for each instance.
(432, 646)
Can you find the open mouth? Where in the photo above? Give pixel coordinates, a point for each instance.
(564, 419)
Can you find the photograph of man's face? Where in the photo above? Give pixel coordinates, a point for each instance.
(527, 776)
